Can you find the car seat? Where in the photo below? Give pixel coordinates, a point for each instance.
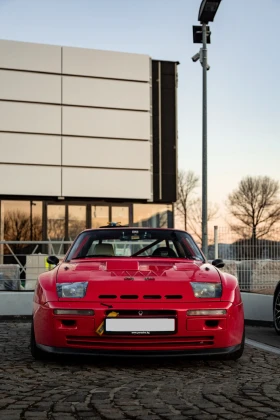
(104, 249)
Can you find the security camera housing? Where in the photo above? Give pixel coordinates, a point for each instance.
(196, 57)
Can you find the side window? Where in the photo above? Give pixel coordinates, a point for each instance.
(192, 248)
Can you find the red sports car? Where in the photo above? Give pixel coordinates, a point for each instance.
(137, 291)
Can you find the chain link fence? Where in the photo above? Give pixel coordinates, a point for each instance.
(255, 262)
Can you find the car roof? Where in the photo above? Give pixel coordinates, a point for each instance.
(134, 228)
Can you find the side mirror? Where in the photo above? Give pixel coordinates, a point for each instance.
(218, 263)
(52, 260)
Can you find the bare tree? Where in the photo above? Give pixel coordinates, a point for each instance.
(256, 206)
(187, 183)
(17, 226)
(196, 217)
(56, 229)
(75, 226)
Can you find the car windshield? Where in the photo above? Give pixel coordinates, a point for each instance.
(128, 242)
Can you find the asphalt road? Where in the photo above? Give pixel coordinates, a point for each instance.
(114, 389)
(264, 335)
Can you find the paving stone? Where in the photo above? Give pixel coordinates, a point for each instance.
(35, 415)
(78, 388)
(149, 417)
(257, 415)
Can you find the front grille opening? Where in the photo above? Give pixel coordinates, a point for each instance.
(129, 296)
(212, 323)
(173, 297)
(128, 342)
(145, 312)
(68, 322)
(152, 297)
(107, 296)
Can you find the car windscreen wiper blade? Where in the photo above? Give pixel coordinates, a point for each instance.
(93, 256)
(191, 257)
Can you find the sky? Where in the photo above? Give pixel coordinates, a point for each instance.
(243, 82)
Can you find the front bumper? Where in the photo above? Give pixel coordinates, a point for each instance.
(136, 353)
(194, 335)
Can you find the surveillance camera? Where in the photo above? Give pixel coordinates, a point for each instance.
(196, 57)
(207, 67)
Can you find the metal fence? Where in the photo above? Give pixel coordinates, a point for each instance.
(22, 261)
(256, 264)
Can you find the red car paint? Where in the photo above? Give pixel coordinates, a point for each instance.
(138, 287)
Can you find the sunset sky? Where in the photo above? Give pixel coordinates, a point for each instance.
(243, 83)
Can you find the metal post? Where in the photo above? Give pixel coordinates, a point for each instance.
(31, 222)
(216, 242)
(204, 143)
(2, 232)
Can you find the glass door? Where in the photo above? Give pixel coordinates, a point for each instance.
(120, 214)
(56, 222)
(76, 220)
(56, 227)
(99, 216)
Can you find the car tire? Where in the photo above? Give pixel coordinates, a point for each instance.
(238, 353)
(35, 351)
(276, 311)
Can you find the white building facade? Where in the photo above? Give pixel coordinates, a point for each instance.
(86, 137)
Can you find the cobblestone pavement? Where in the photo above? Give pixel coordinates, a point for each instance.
(115, 389)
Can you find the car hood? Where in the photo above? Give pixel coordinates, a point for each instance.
(134, 280)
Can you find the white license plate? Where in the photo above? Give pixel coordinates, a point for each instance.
(139, 326)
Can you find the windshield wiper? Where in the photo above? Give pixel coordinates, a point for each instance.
(93, 256)
(191, 257)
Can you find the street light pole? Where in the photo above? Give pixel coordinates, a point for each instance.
(201, 35)
(204, 143)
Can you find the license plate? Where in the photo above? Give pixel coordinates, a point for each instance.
(137, 326)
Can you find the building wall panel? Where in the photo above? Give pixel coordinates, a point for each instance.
(106, 123)
(30, 149)
(85, 91)
(84, 182)
(30, 180)
(29, 56)
(30, 87)
(91, 152)
(105, 64)
(30, 118)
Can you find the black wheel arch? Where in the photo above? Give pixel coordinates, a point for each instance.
(277, 289)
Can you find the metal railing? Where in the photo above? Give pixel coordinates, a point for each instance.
(22, 261)
(255, 264)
